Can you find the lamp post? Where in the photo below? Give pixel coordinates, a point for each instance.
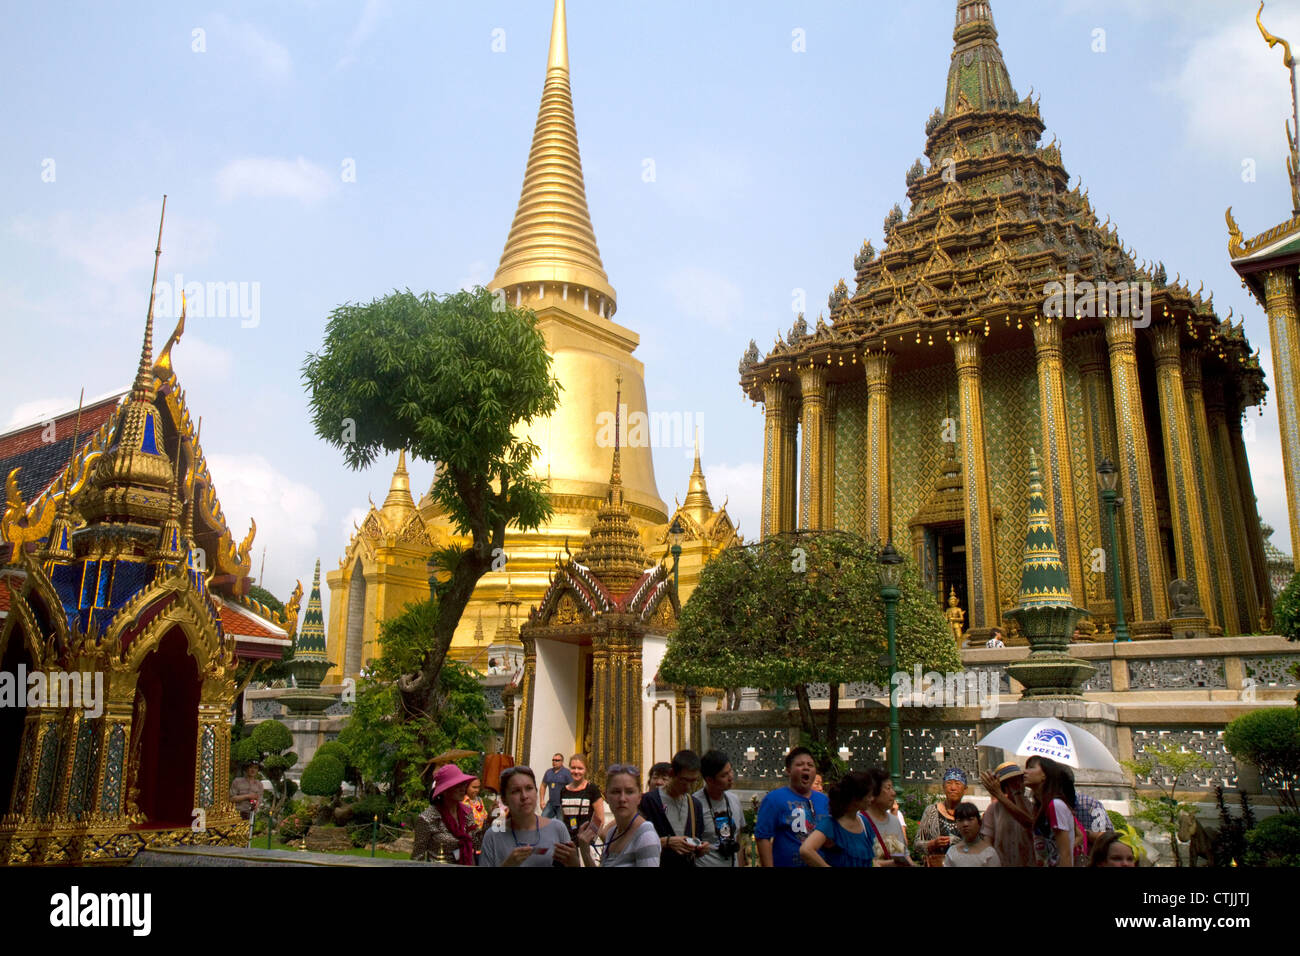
(891, 572)
(1108, 477)
(675, 537)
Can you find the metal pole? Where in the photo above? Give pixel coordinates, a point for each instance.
(1121, 628)
(374, 834)
(890, 596)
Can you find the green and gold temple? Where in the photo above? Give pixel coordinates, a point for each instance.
(551, 264)
(1000, 315)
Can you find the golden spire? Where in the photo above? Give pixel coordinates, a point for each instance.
(615, 472)
(143, 387)
(399, 498)
(697, 503)
(552, 239)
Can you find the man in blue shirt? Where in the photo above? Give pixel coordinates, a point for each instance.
(553, 783)
(787, 815)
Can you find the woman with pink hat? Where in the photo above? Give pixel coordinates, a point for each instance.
(446, 829)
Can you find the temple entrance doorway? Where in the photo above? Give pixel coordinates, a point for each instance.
(164, 733)
(12, 718)
(950, 549)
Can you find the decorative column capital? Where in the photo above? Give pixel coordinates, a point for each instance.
(1119, 333)
(1192, 375)
(1278, 285)
(812, 383)
(1093, 359)
(966, 349)
(878, 366)
(1165, 345)
(1048, 336)
(774, 396)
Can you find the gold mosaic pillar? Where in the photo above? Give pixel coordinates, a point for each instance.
(523, 744)
(1181, 465)
(605, 723)
(981, 555)
(1231, 504)
(790, 473)
(679, 717)
(774, 456)
(1099, 422)
(1210, 493)
(1284, 334)
(879, 522)
(812, 389)
(828, 457)
(1150, 601)
(1250, 514)
(1057, 457)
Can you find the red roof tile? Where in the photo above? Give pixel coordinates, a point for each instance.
(244, 623)
(43, 452)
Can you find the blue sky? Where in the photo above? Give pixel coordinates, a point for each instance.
(771, 167)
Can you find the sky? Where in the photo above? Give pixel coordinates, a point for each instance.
(319, 153)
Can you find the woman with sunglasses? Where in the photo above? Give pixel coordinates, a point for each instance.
(629, 839)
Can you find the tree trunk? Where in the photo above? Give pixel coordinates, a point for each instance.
(806, 718)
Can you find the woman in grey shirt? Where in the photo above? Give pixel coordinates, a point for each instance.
(520, 837)
(630, 839)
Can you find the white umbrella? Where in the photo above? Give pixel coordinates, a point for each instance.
(1065, 743)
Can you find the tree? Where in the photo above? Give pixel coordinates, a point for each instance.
(269, 745)
(800, 608)
(1270, 739)
(385, 749)
(1286, 610)
(1166, 765)
(449, 379)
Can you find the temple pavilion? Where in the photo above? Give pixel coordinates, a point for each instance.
(1000, 316)
(551, 264)
(116, 564)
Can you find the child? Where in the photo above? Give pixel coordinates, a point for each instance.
(973, 850)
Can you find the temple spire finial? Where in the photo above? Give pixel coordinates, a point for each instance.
(615, 474)
(559, 53)
(144, 375)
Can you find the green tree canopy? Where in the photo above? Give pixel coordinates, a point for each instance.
(448, 378)
(323, 776)
(1270, 739)
(800, 608)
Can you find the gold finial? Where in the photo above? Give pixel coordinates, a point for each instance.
(1287, 60)
(551, 239)
(144, 376)
(164, 363)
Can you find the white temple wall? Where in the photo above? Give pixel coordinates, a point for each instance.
(557, 690)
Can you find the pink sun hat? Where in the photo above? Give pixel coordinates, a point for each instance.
(448, 776)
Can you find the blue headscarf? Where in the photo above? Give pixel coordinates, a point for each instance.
(955, 773)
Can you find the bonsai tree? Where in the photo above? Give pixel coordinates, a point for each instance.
(448, 378)
(1274, 842)
(802, 608)
(1166, 765)
(269, 745)
(1270, 740)
(323, 777)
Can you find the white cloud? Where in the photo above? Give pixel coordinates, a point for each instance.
(268, 177)
(270, 55)
(706, 296)
(371, 14)
(477, 274)
(201, 359)
(741, 486)
(351, 521)
(286, 512)
(1233, 89)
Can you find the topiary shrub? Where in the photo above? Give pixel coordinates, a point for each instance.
(1275, 841)
(1286, 610)
(1270, 740)
(322, 777)
(375, 804)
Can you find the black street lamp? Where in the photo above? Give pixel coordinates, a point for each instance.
(891, 573)
(1108, 478)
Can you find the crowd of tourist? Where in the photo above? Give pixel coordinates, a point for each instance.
(689, 816)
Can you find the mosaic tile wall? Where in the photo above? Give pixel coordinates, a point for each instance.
(1011, 429)
(919, 402)
(850, 458)
(1085, 480)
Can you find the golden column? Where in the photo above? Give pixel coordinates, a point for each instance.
(812, 387)
(1210, 492)
(1150, 604)
(775, 459)
(790, 475)
(879, 523)
(981, 557)
(616, 690)
(605, 725)
(1231, 504)
(1250, 514)
(1181, 465)
(527, 687)
(1099, 422)
(828, 457)
(1283, 333)
(1059, 471)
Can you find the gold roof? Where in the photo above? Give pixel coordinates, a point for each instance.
(399, 504)
(697, 503)
(552, 239)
